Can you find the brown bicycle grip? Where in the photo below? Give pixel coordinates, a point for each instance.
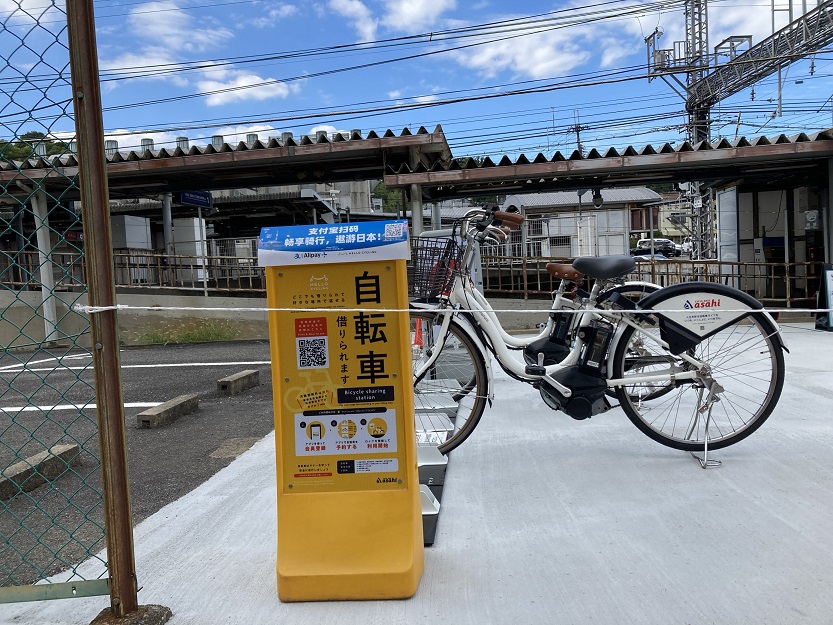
(511, 220)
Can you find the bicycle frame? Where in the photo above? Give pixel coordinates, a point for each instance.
(465, 298)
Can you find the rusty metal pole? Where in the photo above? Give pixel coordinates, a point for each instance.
(98, 248)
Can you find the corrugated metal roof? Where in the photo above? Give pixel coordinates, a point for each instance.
(762, 157)
(630, 151)
(347, 156)
(571, 198)
(355, 138)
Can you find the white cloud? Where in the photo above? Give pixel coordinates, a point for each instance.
(415, 15)
(394, 94)
(725, 21)
(611, 53)
(168, 33)
(243, 86)
(15, 12)
(275, 14)
(538, 56)
(173, 34)
(425, 99)
(615, 49)
(611, 43)
(167, 25)
(359, 15)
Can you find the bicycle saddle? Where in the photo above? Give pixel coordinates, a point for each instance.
(563, 271)
(604, 267)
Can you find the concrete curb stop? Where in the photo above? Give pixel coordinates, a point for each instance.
(166, 413)
(46, 466)
(239, 382)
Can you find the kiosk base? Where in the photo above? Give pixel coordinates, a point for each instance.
(364, 555)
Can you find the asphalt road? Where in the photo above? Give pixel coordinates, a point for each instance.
(164, 463)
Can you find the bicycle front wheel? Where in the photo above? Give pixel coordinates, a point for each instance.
(744, 359)
(455, 385)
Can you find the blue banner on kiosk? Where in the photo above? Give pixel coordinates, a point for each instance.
(333, 243)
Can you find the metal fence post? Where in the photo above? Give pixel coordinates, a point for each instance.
(104, 331)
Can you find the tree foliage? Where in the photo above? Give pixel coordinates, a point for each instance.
(391, 198)
(24, 147)
(661, 187)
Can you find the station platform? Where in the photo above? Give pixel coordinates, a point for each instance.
(543, 520)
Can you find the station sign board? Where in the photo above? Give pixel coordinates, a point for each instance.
(201, 199)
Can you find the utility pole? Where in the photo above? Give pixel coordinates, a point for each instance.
(92, 184)
(121, 566)
(577, 128)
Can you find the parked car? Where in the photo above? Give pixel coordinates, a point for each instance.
(647, 256)
(661, 246)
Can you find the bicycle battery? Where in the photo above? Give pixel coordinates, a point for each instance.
(596, 337)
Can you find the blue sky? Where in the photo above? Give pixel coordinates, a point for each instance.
(197, 68)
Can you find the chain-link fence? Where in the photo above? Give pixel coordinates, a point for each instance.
(51, 515)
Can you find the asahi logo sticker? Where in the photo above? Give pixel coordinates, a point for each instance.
(702, 303)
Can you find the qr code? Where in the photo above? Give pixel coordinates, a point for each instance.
(312, 353)
(393, 231)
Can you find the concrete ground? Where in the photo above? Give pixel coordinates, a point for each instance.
(544, 520)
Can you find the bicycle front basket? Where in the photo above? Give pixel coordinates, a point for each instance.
(435, 262)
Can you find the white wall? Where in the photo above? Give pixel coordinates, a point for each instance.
(189, 240)
(727, 225)
(131, 231)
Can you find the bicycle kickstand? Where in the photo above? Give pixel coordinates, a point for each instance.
(705, 463)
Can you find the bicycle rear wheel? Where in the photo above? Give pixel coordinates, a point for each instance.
(744, 359)
(456, 385)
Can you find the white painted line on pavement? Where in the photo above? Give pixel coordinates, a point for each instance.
(19, 365)
(136, 404)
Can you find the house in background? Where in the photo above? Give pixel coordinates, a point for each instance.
(567, 224)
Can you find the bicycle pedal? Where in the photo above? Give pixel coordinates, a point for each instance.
(535, 370)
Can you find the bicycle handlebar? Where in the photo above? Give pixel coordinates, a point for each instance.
(511, 220)
(480, 224)
(499, 233)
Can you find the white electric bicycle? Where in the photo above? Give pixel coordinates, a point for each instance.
(695, 366)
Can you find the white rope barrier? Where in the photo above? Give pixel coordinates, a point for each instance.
(538, 311)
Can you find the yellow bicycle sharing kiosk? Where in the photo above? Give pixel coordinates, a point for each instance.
(349, 514)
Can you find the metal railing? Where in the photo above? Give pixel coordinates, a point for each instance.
(154, 269)
(21, 271)
(793, 285)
